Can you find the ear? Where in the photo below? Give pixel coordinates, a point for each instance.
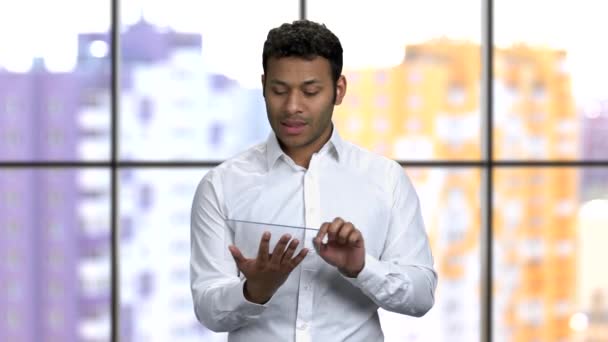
(340, 89)
(263, 83)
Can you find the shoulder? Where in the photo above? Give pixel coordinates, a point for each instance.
(383, 173)
(371, 163)
(252, 160)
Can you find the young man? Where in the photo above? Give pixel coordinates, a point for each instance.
(370, 250)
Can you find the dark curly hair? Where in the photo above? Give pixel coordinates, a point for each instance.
(305, 39)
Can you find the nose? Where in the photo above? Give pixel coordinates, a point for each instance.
(294, 103)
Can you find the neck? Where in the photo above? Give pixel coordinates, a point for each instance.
(302, 155)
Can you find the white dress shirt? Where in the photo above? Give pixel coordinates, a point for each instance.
(316, 302)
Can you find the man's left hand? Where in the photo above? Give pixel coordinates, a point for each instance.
(344, 249)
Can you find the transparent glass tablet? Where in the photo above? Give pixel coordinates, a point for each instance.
(247, 235)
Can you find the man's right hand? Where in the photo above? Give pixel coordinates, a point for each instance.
(267, 272)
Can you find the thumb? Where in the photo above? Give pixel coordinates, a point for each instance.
(322, 249)
(316, 242)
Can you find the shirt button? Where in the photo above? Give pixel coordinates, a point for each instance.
(302, 326)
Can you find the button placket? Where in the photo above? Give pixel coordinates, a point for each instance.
(312, 217)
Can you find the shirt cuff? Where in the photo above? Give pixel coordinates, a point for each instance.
(236, 301)
(372, 275)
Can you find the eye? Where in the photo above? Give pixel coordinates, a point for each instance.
(279, 91)
(311, 93)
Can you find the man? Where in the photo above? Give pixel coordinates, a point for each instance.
(370, 248)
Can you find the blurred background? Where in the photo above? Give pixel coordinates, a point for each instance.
(190, 97)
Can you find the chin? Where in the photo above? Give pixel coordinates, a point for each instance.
(294, 142)
(291, 141)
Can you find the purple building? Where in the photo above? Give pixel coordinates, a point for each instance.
(18, 264)
(40, 246)
(594, 146)
(43, 244)
(16, 116)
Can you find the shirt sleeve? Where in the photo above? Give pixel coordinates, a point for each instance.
(217, 289)
(403, 279)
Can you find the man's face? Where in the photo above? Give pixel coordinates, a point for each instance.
(299, 97)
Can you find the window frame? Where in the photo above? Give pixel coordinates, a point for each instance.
(487, 164)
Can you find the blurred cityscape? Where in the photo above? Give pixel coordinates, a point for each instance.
(54, 253)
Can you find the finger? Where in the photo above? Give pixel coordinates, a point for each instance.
(321, 234)
(290, 251)
(263, 249)
(334, 227)
(237, 255)
(298, 259)
(279, 249)
(344, 232)
(355, 239)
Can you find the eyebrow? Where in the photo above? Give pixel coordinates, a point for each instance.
(305, 83)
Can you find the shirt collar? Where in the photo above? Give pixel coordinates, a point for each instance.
(274, 151)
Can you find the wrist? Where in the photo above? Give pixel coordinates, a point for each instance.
(254, 295)
(352, 273)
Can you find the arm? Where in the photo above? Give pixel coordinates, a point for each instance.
(217, 290)
(403, 279)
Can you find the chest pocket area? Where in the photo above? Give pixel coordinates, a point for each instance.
(368, 213)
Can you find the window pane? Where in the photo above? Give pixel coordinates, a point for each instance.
(54, 80)
(551, 97)
(413, 73)
(54, 255)
(155, 241)
(550, 235)
(450, 208)
(156, 303)
(191, 72)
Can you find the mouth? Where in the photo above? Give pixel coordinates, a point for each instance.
(293, 127)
